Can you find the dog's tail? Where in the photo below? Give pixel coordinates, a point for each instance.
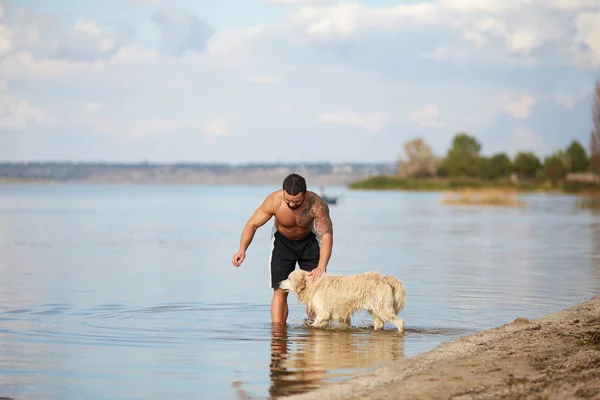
(399, 292)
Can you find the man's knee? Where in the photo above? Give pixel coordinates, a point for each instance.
(280, 293)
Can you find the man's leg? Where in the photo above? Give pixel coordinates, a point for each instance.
(281, 264)
(310, 260)
(279, 307)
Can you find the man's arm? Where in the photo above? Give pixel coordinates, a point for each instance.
(324, 231)
(260, 217)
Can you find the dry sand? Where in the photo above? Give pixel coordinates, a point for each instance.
(554, 357)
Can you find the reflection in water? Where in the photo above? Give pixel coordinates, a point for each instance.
(303, 359)
(322, 355)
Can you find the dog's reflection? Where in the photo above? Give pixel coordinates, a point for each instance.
(313, 356)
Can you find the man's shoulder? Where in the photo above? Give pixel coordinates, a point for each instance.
(273, 199)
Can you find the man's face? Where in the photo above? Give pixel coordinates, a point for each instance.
(293, 202)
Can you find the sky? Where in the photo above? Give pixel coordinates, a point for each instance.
(240, 81)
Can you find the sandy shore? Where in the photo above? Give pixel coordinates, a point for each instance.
(554, 357)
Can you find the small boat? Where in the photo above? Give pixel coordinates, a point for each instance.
(330, 200)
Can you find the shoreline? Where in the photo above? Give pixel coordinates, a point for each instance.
(553, 357)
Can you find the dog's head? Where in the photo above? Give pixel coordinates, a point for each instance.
(296, 282)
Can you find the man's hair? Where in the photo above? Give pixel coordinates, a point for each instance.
(294, 184)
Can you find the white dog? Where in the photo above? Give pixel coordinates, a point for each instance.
(336, 297)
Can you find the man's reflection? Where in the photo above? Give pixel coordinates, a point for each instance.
(319, 355)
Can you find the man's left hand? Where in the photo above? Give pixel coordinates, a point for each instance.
(317, 273)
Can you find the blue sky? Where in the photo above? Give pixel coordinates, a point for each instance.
(292, 80)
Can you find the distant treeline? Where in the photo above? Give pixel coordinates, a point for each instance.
(67, 171)
(465, 166)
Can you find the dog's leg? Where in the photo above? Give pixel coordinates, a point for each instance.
(346, 322)
(398, 322)
(377, 322)
(310, 313)
(320, 322)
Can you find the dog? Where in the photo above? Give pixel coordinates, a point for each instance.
(337, 297)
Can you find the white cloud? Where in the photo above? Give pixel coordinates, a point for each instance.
(145, 2)
(588, 35)
(346, 19)
(93, 106)
(516, 106)
(138, 128)
(300, 2)
(446, 52)
(427, 117)
(180, 83)
(265, 79)
(5, 42)
(45, 37)
(218, 126)
(17, 113)
(374, 121)
(229, 47)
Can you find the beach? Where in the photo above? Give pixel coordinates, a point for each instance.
(553, 357)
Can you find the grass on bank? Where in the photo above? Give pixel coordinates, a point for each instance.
(590, 202)
(443, 184)
(425, 184)
(490, 197)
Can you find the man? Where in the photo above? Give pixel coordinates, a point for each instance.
(302, 233)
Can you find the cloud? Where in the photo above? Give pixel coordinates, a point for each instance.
(181, 31)
(518, 107)
(446, 52)
(93, 106)
(265, 79)
(346, 19)
(17, 113)
(46, 37)
(375, 121)
(218, 126)
(300, 2)
(587, 39)
(427, 117)
(145, 2)
(5, 40)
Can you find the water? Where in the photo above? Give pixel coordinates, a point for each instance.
(128, 292)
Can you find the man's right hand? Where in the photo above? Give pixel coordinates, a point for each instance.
(238, 258)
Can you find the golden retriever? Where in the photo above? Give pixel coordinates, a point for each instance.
(337, 297)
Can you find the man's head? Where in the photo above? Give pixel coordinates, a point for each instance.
(294, 191)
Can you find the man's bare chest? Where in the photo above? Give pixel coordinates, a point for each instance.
(290, 219)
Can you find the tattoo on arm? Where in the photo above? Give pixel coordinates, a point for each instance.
(323, 224)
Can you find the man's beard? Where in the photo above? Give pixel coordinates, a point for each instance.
(294, 207)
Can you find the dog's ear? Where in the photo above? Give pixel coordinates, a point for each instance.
(301, 285)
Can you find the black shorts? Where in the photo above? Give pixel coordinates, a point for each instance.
(285, 253)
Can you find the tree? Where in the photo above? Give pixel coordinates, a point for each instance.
(420, 162)
(577, 158)
(498, 166)
(595, 137)
(556, 166)
(463, 157)
(526, 163)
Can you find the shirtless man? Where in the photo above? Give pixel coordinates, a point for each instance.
(302, 233)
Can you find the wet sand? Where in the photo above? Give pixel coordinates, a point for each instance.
(554, 357)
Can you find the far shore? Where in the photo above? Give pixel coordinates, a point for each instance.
(553, 357)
